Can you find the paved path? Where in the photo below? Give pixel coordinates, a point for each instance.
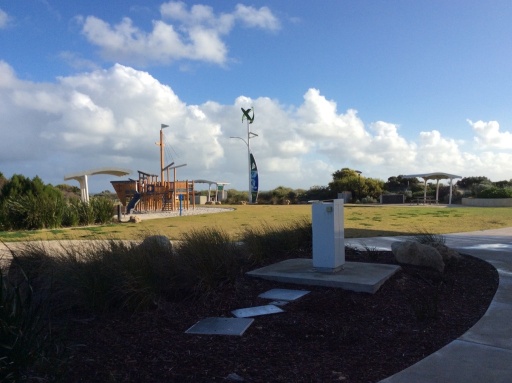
(484, 352)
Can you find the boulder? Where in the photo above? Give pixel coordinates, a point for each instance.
(414, 253)
(157, 242)
(135, 219)
(447, 253)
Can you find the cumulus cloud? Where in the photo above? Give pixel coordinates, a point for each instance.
(112, 117)
(489, 136)
(182, 34)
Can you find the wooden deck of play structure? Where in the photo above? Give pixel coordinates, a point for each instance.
(149, 194)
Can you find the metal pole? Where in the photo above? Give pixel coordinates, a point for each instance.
(249, 160)
(161, 154)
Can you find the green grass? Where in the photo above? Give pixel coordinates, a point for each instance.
(385, 220)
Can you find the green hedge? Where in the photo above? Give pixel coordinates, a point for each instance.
(494, 192)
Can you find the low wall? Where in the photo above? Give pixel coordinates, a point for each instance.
(487, 202)
(392, 198)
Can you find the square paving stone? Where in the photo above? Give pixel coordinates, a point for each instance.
(256, 311)
(221, 326)
(284, 294)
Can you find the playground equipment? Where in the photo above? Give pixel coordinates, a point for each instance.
(149, 193)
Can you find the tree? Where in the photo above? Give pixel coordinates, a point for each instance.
(344, 173)
(315, 193)
(3, 181)
(503, 184)
(468, 182)
(399, 184)
(350, 180)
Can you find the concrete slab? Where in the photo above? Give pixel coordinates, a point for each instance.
(494, 328)
(355, 276)
(221, 326)
(250, 312)
(504, 290)
(284, 294)
(459, 361)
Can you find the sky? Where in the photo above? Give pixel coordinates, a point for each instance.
(384, 87)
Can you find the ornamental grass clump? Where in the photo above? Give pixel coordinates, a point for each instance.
(428, 238)
(97, 275)
(205, 260)
(266, 242)
(25, 331)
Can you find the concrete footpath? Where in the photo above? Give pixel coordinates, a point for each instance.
(484, 352)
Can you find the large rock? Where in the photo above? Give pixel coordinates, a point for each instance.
(157, 243)
(447, 253)
(135, 219)
(414, 253)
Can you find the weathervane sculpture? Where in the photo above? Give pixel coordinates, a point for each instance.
(253, 169)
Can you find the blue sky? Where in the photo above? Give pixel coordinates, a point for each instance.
(385, 87)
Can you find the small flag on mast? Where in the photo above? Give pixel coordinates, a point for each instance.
(163, 126)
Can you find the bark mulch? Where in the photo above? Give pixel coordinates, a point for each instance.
(329, 335)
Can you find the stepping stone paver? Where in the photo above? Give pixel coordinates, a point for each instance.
(284, 294)
(221, 326)
(256, 311)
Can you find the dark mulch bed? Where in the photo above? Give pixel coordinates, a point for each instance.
(326, 336)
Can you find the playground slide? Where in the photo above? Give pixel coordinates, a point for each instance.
(133, 202)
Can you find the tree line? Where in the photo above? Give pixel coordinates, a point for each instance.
(28, 204)
(368, 190)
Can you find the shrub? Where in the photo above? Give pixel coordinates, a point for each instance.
(31, 212)
(495, 192)
(236, 197)
(84, 211)
(25, 332)
(206, 259)
(97, 276)
(70, 216)
(427, 238)
(103, 208)
(265, 242)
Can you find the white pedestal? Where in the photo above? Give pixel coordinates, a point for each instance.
(328, 236)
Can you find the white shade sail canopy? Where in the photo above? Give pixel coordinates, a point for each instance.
(435, 176)
(81, 177)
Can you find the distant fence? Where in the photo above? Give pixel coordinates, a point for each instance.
(487, 202)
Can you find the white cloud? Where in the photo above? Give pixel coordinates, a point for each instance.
(195, 35)
(112, 117)
(261, 18)
(489, 136)
(4, 19)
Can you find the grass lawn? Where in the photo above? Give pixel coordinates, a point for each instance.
(360, 221)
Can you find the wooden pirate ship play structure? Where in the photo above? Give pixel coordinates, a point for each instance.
(149, 193)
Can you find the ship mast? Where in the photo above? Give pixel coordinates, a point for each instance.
(162, 126)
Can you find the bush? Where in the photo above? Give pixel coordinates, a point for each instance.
(97, 276)
(84, 211)
(431, 239)
(70, 215)
(236, 197)
(29, 212)
(267, 242)
(205, 260)
(103, 208)
(494, 192)
(25, 332)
